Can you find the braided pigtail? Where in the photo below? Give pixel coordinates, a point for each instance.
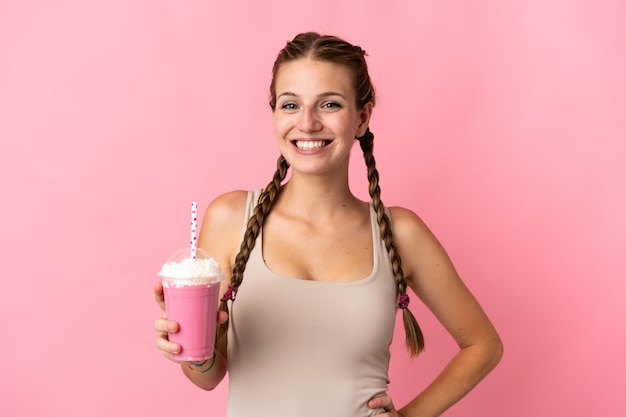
(414, 336)
(266, 199)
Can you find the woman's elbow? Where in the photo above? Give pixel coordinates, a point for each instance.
(496, 350)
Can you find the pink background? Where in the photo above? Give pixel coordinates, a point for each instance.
(501, 123)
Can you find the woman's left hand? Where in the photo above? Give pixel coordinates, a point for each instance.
(384, 401)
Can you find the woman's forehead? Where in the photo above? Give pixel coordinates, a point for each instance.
(307, 74)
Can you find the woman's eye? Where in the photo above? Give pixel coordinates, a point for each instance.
(331, 105)
(289, 106)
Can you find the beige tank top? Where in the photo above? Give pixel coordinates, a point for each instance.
(300, 348)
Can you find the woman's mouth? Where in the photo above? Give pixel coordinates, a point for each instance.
(309, 145)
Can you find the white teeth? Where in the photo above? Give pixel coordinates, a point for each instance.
(307, 145)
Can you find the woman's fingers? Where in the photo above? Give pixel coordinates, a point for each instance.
(162, 343)
(385, 402)
(167, 347)
(164, 325)
(158, 295)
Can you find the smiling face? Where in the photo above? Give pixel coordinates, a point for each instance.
(316, 118)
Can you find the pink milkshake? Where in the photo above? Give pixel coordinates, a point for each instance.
(191, 289)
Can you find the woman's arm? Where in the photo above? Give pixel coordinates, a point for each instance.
(433, 278)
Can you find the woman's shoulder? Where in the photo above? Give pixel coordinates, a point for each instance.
(224, 216)
(418, 246)
(409, 229)
(405, 219)
(227, 208)
(222, 225)
(229, 200)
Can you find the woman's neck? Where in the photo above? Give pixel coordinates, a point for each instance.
(316, 198)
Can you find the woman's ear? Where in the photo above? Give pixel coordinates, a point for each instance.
(364, 119)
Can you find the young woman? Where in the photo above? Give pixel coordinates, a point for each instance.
(314, 276)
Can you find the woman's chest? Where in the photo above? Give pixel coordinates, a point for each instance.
(337, 253)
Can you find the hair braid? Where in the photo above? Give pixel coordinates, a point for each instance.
(414, 336)
(266, 199)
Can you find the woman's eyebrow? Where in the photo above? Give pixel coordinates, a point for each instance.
(332, 93)
(287, 93)
(325, 94)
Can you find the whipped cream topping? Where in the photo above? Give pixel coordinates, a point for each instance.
(191, 272)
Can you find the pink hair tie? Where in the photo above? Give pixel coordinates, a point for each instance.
(403, 301)
(230, 293)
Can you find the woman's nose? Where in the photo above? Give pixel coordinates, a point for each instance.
(309, 120)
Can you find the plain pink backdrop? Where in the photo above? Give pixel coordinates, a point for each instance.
(501, 123)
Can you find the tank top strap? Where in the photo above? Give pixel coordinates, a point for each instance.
(381, 255)
(253, 197)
